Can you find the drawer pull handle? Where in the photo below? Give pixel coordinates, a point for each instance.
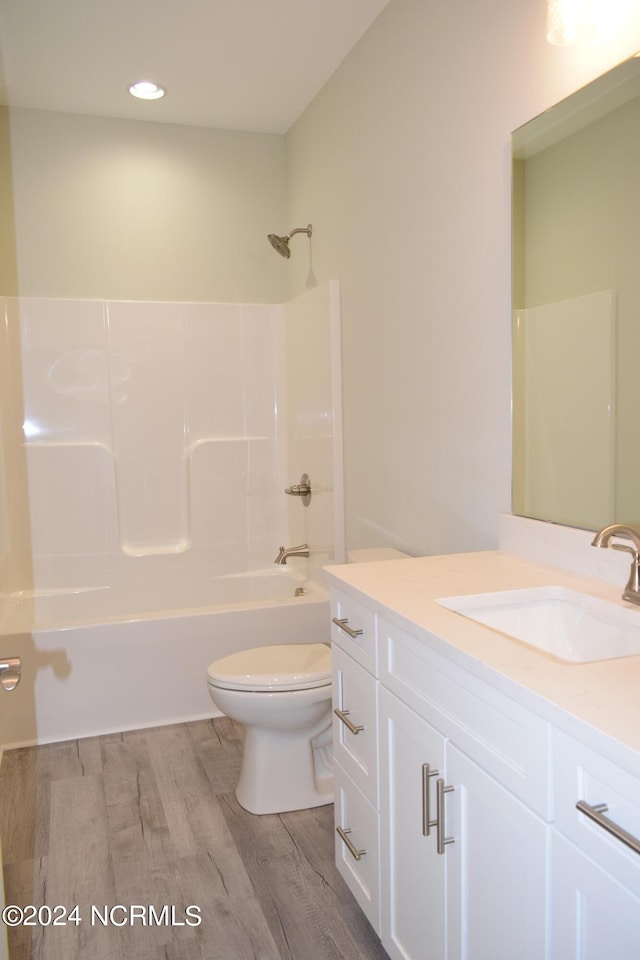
(343, 834)
(441, 831)
(596, 813)
(343, 624)
(427, 822)
(343, 715)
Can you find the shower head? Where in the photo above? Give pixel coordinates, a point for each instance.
(281, 244)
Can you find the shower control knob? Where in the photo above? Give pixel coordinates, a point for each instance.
(10, 672)
(299, 490)
(302, 489)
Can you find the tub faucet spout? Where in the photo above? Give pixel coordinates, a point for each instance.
(285, 552)
(602, 538)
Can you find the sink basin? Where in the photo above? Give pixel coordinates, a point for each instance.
(569, 625)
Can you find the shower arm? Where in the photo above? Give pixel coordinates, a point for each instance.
(307, 230)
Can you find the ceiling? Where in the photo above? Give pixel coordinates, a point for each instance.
(231, 64)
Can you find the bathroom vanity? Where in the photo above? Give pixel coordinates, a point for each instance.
(460, 755)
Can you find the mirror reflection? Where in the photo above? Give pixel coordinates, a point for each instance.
(576, 303)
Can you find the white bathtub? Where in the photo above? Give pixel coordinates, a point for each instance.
(114, 672)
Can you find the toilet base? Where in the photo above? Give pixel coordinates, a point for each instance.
(281, 773)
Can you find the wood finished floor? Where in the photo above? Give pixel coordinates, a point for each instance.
(150, 818)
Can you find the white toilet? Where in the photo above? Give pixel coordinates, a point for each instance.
(282, 697)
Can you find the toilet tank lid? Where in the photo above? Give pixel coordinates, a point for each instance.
(284, 666)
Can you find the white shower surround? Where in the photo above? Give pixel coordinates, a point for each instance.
(150, 561)
(157, 431)
(142, 437)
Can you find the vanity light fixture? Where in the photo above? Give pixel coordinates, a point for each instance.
(146, 90)
(562, 21)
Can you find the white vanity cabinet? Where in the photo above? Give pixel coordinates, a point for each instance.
(465, 801)
(463, 860)
(526, 841)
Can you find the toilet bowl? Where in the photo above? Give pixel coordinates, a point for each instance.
(281, 695)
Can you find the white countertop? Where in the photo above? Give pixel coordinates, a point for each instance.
(598, 702)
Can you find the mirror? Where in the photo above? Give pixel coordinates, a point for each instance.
(576, 306)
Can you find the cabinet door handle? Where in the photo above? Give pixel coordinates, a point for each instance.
(343, 624)
(343, 715)
(441, 831)
(596, 813)
(343, 834)
(427, 822)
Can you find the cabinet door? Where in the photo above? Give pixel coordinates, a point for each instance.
(357, 845)
(593, 916)
(412, 875)
(579, 773)
(497, 869)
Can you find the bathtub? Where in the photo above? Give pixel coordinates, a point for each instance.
(87, 671)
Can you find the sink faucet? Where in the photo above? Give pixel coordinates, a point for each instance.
(303, 551)
(601, 539)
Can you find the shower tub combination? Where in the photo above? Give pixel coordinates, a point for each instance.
(159, 440)
(108, 674)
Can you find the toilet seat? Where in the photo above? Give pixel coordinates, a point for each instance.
(276, 668)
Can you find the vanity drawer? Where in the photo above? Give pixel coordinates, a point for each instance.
(355, 723)
(504, 738)
(353, 627)
(357, 850)
(582, 774)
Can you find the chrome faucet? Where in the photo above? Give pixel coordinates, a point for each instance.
(601, 539)
(302, 551)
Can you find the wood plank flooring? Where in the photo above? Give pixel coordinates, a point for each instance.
(150, 819)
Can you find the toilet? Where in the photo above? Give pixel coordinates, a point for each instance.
(281, 695)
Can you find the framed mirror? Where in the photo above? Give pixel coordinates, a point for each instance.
(576, 306)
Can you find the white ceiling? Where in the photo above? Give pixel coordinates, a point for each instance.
(232, 64)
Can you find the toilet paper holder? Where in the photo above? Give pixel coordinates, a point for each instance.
(10, 673)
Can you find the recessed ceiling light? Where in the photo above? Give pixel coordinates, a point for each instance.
(146, 90)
